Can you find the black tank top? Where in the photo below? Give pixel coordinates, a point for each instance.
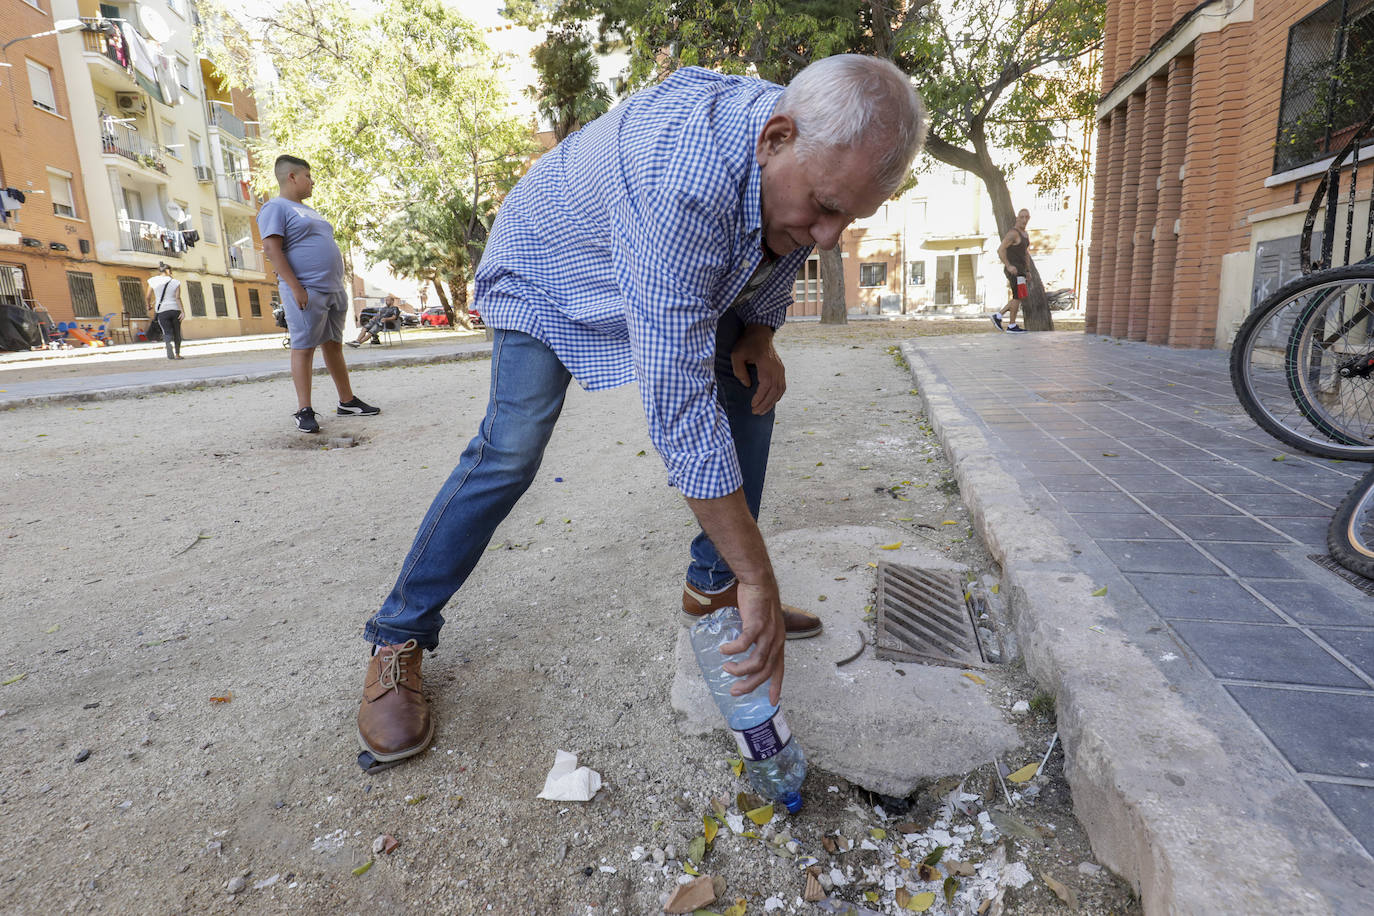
(1016, 252)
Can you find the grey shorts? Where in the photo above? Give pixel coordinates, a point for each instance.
(322, 318)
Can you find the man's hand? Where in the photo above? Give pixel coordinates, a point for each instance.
(755, 348)
(760, 610)
(300, 294)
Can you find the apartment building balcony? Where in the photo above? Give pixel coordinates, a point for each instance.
(222, 118)
(118, 139)
(233, 189)
(147, 238)
(107, 57)
(245, 262)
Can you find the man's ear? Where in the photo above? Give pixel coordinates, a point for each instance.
(779, 131)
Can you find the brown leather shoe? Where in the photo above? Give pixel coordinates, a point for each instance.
(696, 605)
(394, 720)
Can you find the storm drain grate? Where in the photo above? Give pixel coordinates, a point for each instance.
(923, 616)
(1326, 561)
(1093, 394)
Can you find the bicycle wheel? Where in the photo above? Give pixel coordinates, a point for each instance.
(1300, 363)
(1350, 538)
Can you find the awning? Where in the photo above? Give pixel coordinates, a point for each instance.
(952, 242)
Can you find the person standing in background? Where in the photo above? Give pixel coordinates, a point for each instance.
(164, 302)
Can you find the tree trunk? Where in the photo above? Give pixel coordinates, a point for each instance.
(443, 300)
(833, 310)
(1035, 308)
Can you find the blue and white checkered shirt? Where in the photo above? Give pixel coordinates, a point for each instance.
(625, 244)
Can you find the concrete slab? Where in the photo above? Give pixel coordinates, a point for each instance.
(884, 725)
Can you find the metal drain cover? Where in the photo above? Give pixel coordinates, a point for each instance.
(1326, 561)
(924, 617)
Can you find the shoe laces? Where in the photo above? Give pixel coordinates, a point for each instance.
(393, 669)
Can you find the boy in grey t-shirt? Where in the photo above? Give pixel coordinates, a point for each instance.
(310, 272)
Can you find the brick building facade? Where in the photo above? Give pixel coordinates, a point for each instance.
(1207, 158)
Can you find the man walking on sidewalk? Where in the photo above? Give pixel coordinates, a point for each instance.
(164, 301)
(657, 245)
(310, 276)
(1015, 254)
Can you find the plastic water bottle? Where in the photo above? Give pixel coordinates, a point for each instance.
(773, 761)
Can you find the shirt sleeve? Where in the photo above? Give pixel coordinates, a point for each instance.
(272, 220)
(669, 252)
(770, 304)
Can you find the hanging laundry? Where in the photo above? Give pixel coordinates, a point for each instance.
(11, 199)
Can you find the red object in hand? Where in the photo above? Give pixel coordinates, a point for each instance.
(1021, 290)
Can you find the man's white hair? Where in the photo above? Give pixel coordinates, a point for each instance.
(853, 100)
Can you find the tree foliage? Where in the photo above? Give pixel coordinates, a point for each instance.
(401, 115)
(1007, 81)
(569, 95)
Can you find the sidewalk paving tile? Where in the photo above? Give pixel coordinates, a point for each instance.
(1353, 804)
(1176, 556)
(1251, 652)
(1309, 603)
(1201, 597)
(1319, 732)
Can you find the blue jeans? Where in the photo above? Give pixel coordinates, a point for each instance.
(528, 386)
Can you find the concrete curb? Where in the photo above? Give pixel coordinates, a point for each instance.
(480, 351)
(1195, 810)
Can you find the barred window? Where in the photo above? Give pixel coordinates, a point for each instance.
(873, 274)
(131, 294)
(81, 285)
(1328, 82)
(197, 294)
(254, 304)
(221, 306)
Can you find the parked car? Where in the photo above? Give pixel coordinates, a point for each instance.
(409, 319)
(434, 317)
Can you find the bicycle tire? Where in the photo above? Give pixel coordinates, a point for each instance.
(1269, 366)
(1350, 537)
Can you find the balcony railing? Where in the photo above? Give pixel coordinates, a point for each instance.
(245, 258)
(233, 187)
(96, 40)
(121, 140)
(224, 119)
(149, 238)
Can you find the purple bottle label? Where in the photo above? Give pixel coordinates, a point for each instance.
(765, 739)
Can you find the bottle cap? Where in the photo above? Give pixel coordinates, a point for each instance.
(792, 800)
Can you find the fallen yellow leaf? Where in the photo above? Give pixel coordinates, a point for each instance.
(949, 521)
(890, 546)
(362, 869)
(687, 867)
(1024, 774)
(1100, 592)
(874, 565)
(710, 827)
(919, 903)
(760, 816)
(737, 766)
(973, 677)
(10, 680)
(736, 910)
(878, 833)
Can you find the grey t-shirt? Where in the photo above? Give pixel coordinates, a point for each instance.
(307, 240)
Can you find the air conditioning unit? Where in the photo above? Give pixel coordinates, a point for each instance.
(131, 101)
(204, 173)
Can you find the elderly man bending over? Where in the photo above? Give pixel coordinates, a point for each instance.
(657, 245)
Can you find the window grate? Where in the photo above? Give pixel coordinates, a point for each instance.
(1328, 82)
(254, 304)
(131, 294)
(197, 296)
(221, 306)
(81, 285)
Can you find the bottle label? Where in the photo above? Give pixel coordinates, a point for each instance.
(765, 739)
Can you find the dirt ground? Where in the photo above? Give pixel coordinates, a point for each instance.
(184, 584)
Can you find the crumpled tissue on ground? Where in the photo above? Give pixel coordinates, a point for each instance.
(569, 782)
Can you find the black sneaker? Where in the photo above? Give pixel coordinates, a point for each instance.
(1015, 329)
(997, 319)
(357, 406)
(305, 420)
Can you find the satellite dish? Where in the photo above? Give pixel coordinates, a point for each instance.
(153, 23)
(175, 212)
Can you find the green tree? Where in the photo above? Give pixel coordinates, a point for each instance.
(400, 113)
(568, 95)
(1012, 75)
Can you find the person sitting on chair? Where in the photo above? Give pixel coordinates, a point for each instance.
(373, 328)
